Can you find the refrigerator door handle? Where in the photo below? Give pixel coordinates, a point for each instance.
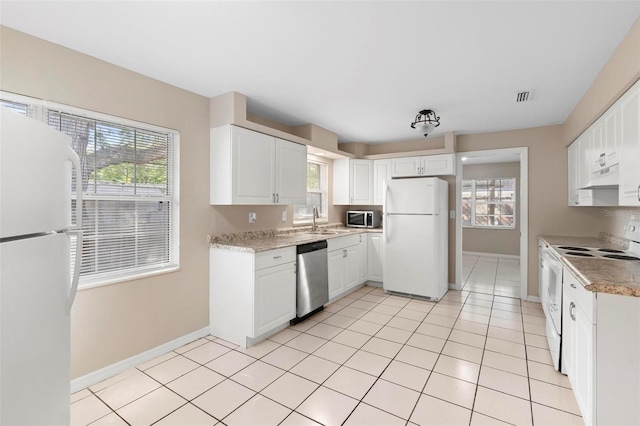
(76, 268)
(386, 211)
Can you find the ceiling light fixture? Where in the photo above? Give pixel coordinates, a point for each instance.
(426, 121)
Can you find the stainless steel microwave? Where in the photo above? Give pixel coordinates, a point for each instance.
(364, 219)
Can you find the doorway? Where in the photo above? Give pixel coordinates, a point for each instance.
(492, 222)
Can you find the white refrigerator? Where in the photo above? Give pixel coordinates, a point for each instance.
(416, 237)
(37, 285)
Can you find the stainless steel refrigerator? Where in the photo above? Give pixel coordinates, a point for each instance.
(416, 237)
(37, 285)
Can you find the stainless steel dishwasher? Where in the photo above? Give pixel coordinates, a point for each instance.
(312, 279)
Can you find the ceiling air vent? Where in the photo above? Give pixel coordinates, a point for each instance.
(522, 96)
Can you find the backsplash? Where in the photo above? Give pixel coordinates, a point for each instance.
(611, 238)
(614, 219)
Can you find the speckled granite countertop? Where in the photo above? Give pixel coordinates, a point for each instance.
(258, 241)
(597, 274)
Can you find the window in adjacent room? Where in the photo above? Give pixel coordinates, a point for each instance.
(489, 203)
(317, 183)
(130, 191)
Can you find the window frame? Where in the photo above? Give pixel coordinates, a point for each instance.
(324, 194)
(474, 203)
(39, 110)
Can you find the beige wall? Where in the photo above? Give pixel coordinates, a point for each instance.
(114, 322)
(496, 241)
(621, 71)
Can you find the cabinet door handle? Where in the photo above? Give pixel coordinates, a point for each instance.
(572, 307)
(603, 159)
(638, 192)
(344, 253)
(578, 198)
(573, 285)
(277, 198)
(273, 198)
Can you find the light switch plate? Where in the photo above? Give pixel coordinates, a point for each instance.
(252, 217)
(452, 214)
(284, 216)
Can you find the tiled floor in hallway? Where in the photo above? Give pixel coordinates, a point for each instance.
(491, 275)
(368, 359)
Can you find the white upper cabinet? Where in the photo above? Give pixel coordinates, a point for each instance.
(629, 106)
(406, 166)
(249, 167)
(381, 173)
(426, 165)
(573, 154)
(291, 173)
(252, 167)
(585, 142)
(604, 161)
(352, 182)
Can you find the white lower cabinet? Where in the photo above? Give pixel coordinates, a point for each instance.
(347, 263)
(362, 250)
(251, 294)
(600, 352)
(274, 297)
(578, 342)
(375, 257)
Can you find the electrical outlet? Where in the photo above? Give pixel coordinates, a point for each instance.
(252, 217)
(284, 216)
(452, 214)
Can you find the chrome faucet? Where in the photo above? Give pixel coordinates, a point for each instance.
(315, 216)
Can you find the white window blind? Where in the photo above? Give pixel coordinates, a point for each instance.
(130, 190)
(489, 203)
(317, 178)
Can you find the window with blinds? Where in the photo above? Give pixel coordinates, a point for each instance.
(316, 194)
(489, 203)
(130, 192)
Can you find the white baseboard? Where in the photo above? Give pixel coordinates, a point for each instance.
(501, 256)
(534, 299)
(126, 364)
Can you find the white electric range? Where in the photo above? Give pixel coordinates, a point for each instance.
(551, 279)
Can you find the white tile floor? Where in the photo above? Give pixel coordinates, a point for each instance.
(368, 359)
(491, 275)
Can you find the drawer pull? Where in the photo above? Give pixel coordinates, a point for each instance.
(276, 257)
(572, 307)
(572, 285)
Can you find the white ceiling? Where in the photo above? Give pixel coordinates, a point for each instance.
(361, 69)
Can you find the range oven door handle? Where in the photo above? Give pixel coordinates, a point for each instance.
(550, 261)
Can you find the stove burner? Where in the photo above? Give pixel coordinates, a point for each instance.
(574, 248)
(577, 253)
(620, 257)
(610, 251)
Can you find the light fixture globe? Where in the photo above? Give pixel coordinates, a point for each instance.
(426, 121)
